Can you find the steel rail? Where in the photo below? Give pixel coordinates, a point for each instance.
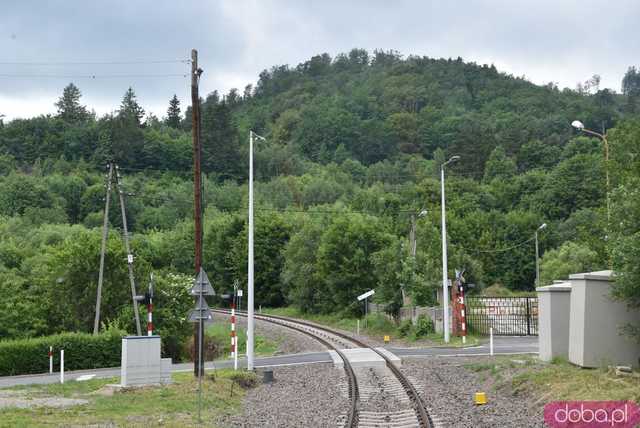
(424, 418)
(354, 395)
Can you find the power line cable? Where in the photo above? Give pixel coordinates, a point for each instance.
(126, 62)
(91, 76)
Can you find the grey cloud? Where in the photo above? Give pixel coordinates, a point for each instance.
(561, 41)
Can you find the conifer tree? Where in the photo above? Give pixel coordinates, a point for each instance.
(129, 107)
(69, 107)
(173, 113)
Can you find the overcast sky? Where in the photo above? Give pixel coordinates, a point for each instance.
(563, 41)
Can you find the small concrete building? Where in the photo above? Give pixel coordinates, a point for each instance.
(579, 320)
(554, 302)
(141, 362)
(595, 336)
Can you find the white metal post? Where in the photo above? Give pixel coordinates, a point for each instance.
(250, 302)
(62, 366)
(491, 341)
(537, 261)
(50, 359)
(445, 284)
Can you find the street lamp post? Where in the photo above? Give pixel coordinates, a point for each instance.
(542, 226)
(250, 294)
(445, 282)
(603, 137)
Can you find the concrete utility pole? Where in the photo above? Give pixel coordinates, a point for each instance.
(542, 226)
(445, 280)
(250, 294)
(250, 302)
(197, 192)
(105, 232)
(127, 247)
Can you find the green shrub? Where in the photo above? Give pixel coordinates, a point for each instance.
(245, 379)
(81, 351)
(379, 324)
(424, 326)
(405, 329)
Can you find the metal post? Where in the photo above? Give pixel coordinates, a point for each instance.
(528, 313)
(250, 302)
(366, 311)
(62, 366)
(200, 360)
(150, 309)
(491, 341)
(50, 359)
(105, 233)
(234, 337)
(537, 262)
(445, 285)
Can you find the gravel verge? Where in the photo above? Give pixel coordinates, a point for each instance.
(448, 387)
(289, 341)
(300, 396)
(21, 399)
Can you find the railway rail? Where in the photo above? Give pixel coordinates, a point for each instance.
(397, 385)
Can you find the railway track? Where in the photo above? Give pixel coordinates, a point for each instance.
(368, 388)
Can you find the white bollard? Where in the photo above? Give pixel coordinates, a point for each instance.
(358, 328)
(50, 359)
(62, 366)
(491, 341)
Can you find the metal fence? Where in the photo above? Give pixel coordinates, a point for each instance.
(508, 316)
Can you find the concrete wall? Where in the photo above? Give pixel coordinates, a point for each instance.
(596, 320)
(554, 302)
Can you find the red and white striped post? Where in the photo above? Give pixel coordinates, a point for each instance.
(50, 359)
(234, 351)
(150, 317)
(463, 313)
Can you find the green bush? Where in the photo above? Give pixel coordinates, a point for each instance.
(379, 324)
(81, 351)
(424, 326)
(405, 329)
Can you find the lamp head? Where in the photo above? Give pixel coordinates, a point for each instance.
(578, 125)
(422, 213)
(542, 226)
(452, 159)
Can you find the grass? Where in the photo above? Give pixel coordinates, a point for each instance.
(172, 405)
(221, 334)
(377, 327)
(558, 380)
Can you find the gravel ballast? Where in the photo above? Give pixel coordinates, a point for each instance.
(300, 396)
(448, 387)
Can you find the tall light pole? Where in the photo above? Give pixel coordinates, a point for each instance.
(603, 137)
(250, 294)
(445, 282)
(542, 226)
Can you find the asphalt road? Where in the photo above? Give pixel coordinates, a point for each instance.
(502, 345)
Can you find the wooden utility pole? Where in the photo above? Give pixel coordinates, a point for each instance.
(198, 366)
(105, 232)
(127, 247)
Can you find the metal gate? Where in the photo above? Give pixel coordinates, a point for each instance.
(508, 316)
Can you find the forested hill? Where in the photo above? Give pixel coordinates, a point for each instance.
(373, 108)
(353, 148)
(367, 107)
